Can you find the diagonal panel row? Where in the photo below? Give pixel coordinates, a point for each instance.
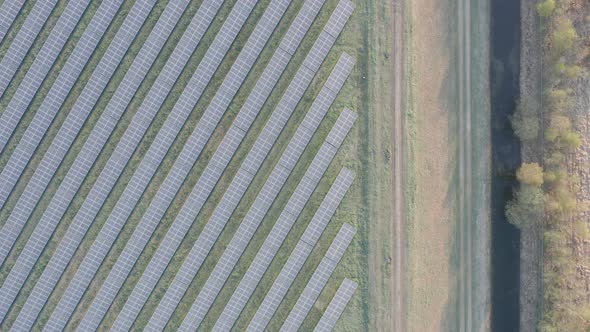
(141, 121)
(40, 68)
(262, 261)
(180, 170)
(104, 126)
(8, 13)
(259, 209)
(23, 40)
(55, 97)
(336, 306)
(318, 280)
(238, 186)
(96, 140)
(215, 167)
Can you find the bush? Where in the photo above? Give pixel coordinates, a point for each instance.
(525, 123)
(564, 35)
(530, 174)
(526, 207)
(546, 8)
(571, 140)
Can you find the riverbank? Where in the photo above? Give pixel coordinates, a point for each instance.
(531, 239)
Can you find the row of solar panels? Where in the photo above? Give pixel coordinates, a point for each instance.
(332, 29)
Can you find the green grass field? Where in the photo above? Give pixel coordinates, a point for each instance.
(354, 154)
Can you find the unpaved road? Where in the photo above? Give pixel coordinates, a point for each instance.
(398, 295)
(465, 168)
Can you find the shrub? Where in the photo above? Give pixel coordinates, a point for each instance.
(564, 35)
(525, 123)
(546, 8)
(571, 140)
(526, 207)
(530, 174)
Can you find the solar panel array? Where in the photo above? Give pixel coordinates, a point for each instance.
(237, 188)
(260, 207)
(39, 69)
(262, 261)
(84, 160)
(123, 93)
(54, 99)
(75, 118)
(139, 125)
(23, 40)
(187, 158)
(56, 152)
(8, 13)
(336, 306)
(250, 224)
(217, 164)
(319, 279)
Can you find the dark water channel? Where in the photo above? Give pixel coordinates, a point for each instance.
(504, 78)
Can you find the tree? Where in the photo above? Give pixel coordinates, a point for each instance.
(546, 8)
(525, 123)
(571, 140)
(564, 35)
(526, 207)
(530, 174)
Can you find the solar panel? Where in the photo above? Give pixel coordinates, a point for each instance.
(318, 280)
(8, 13)
(22, 42)
(246, 230)
(56, 95)
(39, 69)
(277, 235)
(228, 203)
(336, 306)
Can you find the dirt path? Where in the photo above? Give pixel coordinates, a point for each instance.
(465, 169)
(398, 323)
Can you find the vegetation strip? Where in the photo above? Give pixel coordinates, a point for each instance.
(218, 162)
(54, 100)
(547, 194)
(22, 43)
(8, 13)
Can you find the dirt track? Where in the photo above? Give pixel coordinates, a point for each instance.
(465, 169)
(398, 323)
